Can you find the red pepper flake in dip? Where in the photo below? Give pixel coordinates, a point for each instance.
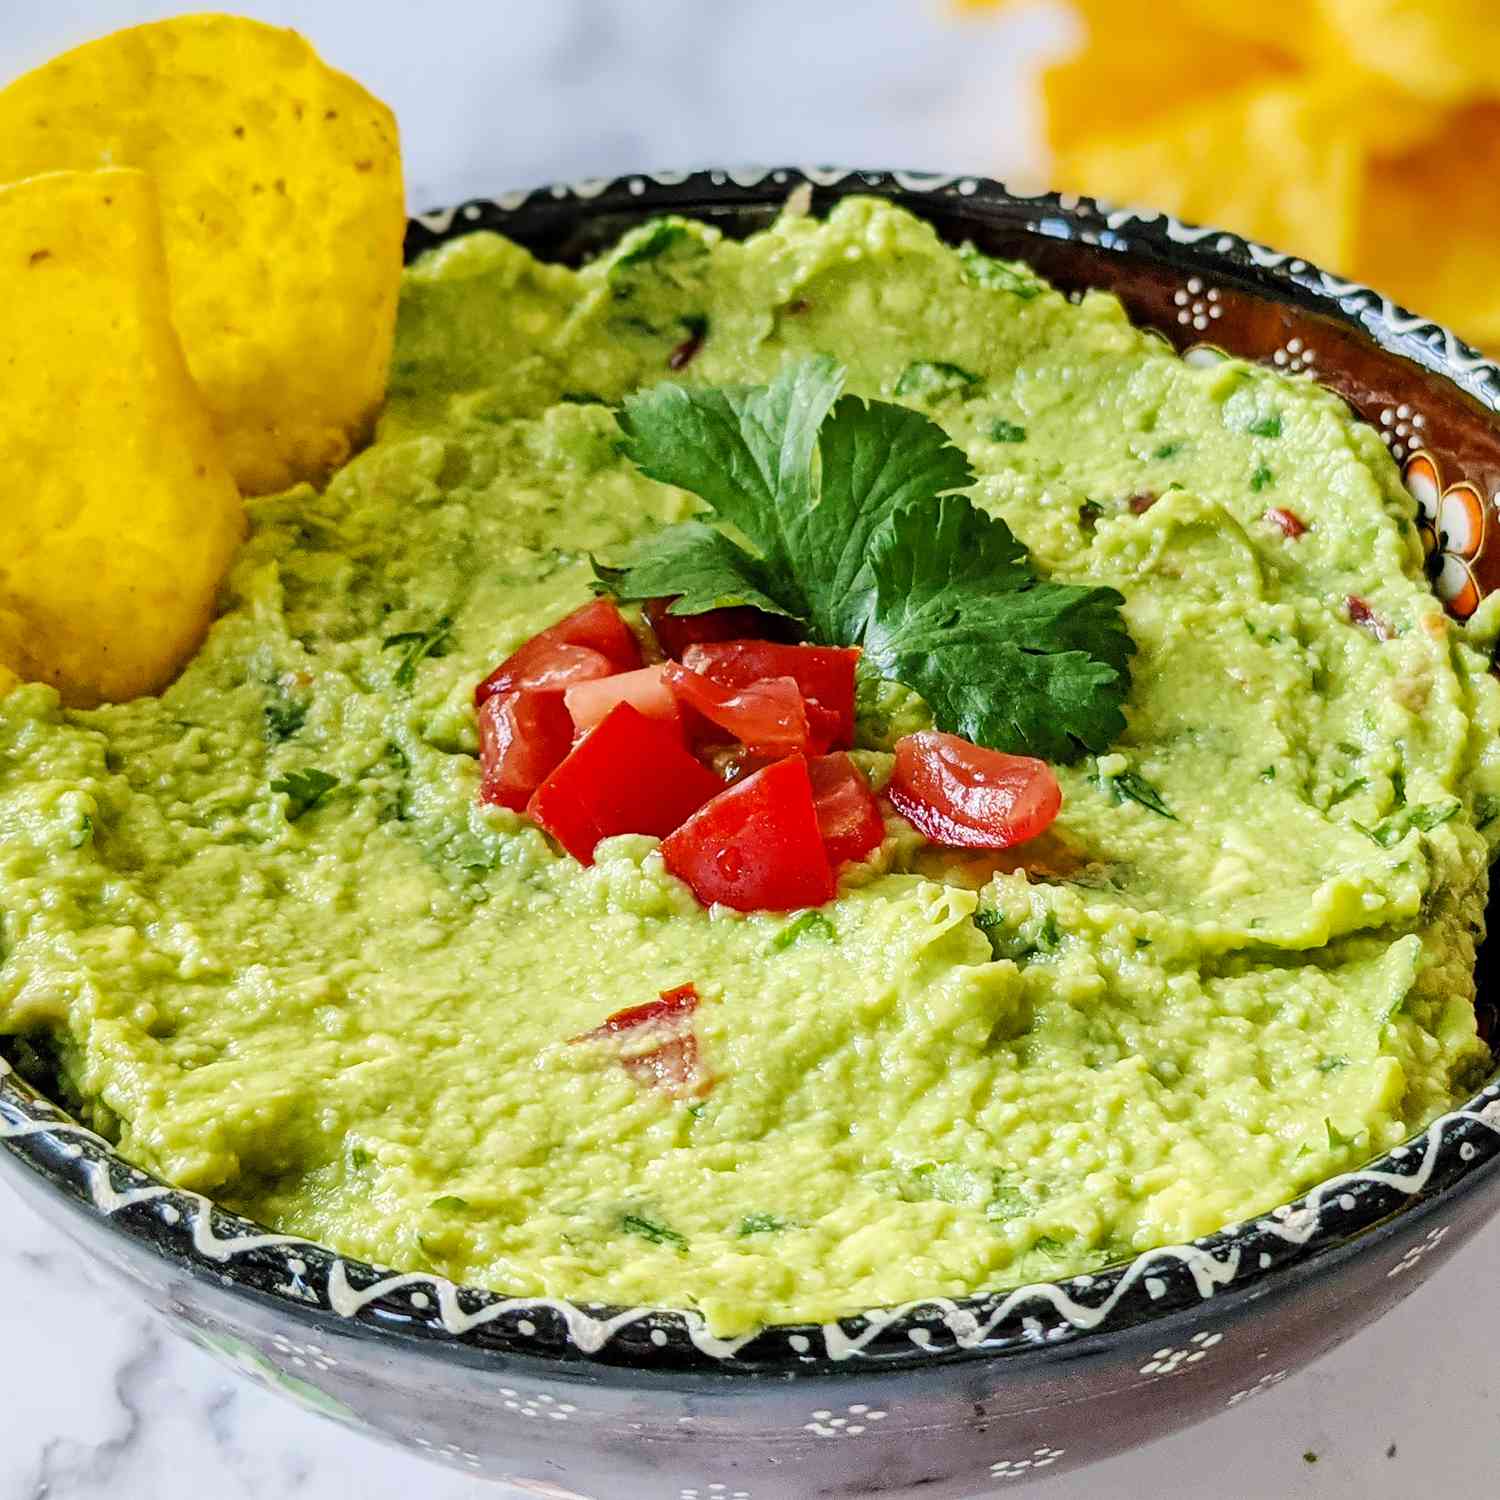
(685, 353)
(656, 1044)
(1289, 523)
(1362, 615)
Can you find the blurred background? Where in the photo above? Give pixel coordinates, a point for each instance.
(1361, 133)
(496, 94)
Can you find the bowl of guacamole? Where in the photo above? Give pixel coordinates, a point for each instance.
(386, 1050)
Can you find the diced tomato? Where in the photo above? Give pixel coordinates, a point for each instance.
(825, 674)
(732, 763)
(963, 795)
(593, 641)
(848, 815)
(673, 1067)
(601, 627)
(767, 713)
(630, 775)
(673, 1064)
(675, 633)
(1362, 615)
(825, 729)
(756, 846)
(543, 666)
(588, 702)
(523, 737)
(1288, 522)
(672, 1007)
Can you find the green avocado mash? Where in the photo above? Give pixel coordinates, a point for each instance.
(265, 937)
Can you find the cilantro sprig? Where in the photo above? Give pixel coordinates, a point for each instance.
(855, 531)
(416, 646)
(304, 790)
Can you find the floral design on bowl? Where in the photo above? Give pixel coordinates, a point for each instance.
(1452, 524)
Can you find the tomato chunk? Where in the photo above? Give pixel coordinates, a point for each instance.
(630, 775)
(523, 737)
(675, 633)
(671, 1009)
(961, 794)
(732, 763)
(593, 641)
(1288, 522)
(825, 674)
(1362, 615)
(848, 815)
(601, 627)
(756, 846)
(673, 1063)
(769, 712)
(588, 702)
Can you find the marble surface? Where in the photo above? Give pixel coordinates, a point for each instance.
(99, 1402)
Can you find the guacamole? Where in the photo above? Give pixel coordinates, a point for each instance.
(261, 932)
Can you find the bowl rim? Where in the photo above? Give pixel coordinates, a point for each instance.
(1137, 1300)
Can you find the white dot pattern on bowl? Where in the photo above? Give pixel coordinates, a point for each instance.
(851, 1422)
(1166, 1361)
(538, 1404)
(1018, 1468)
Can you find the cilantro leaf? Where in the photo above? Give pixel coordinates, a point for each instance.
(1429, 815)
(1007, 1203)
(854, 531)
(809, 924)
(284, 717)
(1425, 816)
(650, 242)
(760, 1224)
(992, 924)
(959, 619)
(749, 451)
(303, 790)
(746, 450)
(697, 562)
(932, 379)
(418, 644)
(1132, 786)
(1011, 276)
(649, 1229)
(878, 460)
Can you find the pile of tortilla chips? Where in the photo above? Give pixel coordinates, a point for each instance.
(200, 254)
(1359, 133)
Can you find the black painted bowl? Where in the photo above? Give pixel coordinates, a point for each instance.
(951, 1397)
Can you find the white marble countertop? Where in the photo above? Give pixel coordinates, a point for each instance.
(494, 94)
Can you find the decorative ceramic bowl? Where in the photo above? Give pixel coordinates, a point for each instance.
(949, 1397)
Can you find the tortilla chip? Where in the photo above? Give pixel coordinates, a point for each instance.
(120, 515)
(1427, 238)
(1292, 27)
(283, 215)
(1443, 51)
(1273, 162)
(1132, 70)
